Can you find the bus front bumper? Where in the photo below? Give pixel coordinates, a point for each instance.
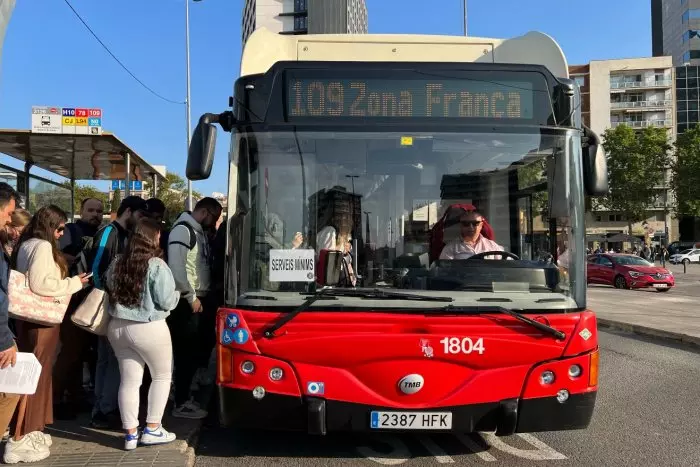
(318, 416)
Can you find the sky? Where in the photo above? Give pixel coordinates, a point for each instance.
(49, 58)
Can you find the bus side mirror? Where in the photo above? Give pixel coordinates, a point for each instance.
(200, 156)
(595, 164)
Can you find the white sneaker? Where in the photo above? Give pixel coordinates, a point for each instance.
(189, 410)
(41, 437)
(158, 436)
(131, 440)
(28, 449)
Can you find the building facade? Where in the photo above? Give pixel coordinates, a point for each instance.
(305, 16)
(674, 30)
(640, 93)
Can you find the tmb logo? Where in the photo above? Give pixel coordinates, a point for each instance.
(411, 384)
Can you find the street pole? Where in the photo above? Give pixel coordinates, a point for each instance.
(465, 18)
(187, 98)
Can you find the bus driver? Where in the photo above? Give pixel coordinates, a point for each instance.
(471, 241)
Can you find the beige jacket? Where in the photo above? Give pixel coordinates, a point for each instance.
(35, 260)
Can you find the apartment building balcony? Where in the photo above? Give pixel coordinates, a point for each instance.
(644, 123)
(650, 84)
(641, 105)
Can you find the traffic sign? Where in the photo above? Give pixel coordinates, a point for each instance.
(66, 120)
(136, 185)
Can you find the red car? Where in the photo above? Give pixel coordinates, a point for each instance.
(628, 272)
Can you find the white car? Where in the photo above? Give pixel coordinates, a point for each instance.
(686, 256)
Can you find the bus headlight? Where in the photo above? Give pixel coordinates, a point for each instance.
(247, 367)
(258, 392)
(562, 396)
(547, 377)
(276, 374)
(575, 371)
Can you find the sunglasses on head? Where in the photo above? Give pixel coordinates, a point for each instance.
(470, 223)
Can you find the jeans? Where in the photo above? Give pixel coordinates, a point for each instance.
(106, 378)
(137, 345)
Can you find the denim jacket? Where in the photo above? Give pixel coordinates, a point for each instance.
(7, 339)
(158, 298)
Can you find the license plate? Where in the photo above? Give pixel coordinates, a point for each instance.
(411, 420)
(661, 286)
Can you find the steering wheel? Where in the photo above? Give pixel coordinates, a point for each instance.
(502, 254)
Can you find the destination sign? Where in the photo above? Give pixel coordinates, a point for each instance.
(398, 98)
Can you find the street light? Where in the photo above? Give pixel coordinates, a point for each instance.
(465, 17)
(187, 98)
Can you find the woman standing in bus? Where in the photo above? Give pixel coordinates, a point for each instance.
(142, 293)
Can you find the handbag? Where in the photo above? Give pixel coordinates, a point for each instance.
(25, 305)
(91, 315)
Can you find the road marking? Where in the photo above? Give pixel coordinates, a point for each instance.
(398, 455)
(543, 451)
(475, 448)
(440, 456)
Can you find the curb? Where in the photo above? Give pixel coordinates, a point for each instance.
(667, 336)
(191, 445)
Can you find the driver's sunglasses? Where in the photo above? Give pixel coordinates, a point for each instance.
(470, 223)
(60, 229)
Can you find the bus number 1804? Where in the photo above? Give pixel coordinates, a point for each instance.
(455, 345)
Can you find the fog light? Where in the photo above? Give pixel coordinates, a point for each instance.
(575, 371)
(276, 374)
(547, 377)
(247, 367)
(259, 392)
(562, 396)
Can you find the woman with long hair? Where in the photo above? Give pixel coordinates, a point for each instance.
(38, 257)
(142, 293)
(10, 234)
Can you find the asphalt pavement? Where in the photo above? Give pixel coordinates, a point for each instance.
(647, 413)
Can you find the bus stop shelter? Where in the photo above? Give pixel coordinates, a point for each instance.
(74, 157)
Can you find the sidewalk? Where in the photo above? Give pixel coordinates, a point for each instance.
(672, 316)
(75, 443)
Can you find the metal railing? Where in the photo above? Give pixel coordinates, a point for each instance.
(641, 84)
(644, 123)
(640, 104)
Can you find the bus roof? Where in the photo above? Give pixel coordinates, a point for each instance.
(264, 48)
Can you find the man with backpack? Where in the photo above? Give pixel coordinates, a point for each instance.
(75, 343)
(190, 262)
(73, 239)
(106, 245)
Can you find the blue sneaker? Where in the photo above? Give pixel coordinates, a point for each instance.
(131, 440)
(158, 436)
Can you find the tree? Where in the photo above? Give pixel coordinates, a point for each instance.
(172, 191)
(116, 201)
(636, 165)
(685, 174)
(86, 191)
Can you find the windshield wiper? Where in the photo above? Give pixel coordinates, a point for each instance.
(499, 309)
(269, 332)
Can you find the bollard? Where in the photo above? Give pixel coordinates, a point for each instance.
(685, 263)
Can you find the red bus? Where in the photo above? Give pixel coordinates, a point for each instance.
(406, 235)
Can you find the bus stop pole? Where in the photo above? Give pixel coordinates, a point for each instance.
(127, 175)
(27, 166)
(72, 199)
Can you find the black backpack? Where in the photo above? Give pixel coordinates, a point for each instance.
(192, 243)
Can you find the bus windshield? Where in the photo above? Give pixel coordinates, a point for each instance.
(414, 212)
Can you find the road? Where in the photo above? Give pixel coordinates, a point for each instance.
(647, 413)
